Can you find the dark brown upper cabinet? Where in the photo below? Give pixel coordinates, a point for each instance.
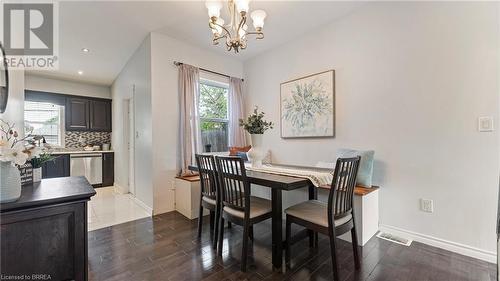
(88, 114)
(77, 114)
(100, 115)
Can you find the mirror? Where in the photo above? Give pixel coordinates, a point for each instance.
(4, 80)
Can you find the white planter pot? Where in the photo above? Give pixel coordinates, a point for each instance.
(37, 174)
(10, 182)
(256, 153)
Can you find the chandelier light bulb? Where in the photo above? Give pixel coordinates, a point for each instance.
(242, 5)
(258, 17)
(213, 8)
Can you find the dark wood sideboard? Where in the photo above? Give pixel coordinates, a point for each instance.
(43, 235)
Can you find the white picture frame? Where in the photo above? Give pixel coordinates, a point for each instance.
(307, 106)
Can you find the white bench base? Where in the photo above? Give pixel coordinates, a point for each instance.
(187, 198)
(366, 217)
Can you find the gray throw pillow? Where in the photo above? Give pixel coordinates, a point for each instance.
(365, 170)
(242, 155)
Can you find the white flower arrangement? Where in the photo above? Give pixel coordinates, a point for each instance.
(13, 149)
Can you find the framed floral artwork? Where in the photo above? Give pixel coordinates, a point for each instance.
(307, 106)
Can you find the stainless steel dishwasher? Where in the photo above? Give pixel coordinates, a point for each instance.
(88, 165)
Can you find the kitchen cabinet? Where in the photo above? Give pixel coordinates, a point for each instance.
(100, 115)
(90, 114)
(44, 233)
(108, 169)
(77, 114)
(58, 168)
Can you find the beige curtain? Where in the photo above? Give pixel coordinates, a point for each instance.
(189, 81)
(236, 111)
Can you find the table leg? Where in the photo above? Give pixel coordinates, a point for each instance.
(313, 236)
(277, 228)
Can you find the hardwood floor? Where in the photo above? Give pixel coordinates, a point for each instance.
(166, 247)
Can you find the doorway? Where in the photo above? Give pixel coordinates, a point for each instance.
(129, 108)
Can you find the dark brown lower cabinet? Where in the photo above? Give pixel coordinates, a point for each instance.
(47, 241)
(58, 168)
(108, 169)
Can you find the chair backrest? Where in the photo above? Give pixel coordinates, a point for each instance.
(342, 190)
(208, 175)
(233, 182)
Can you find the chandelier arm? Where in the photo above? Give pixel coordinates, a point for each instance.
(221, 26)
(242, 23)
(215, 40)
(259, 34)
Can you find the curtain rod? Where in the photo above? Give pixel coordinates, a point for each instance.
(207, 70)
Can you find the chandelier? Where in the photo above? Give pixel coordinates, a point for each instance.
(236, 32)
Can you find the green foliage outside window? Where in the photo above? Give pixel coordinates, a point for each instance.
(213, 105)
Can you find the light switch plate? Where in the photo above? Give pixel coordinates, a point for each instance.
(426, 205)
(485, 124)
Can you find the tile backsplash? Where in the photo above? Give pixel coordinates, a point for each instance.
(94, 138)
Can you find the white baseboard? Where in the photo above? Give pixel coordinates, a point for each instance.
(163, 211)
(148, 209)
(441, 243)
(119, 189)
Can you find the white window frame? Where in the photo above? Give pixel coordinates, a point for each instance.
(62, 127)
(210, 82)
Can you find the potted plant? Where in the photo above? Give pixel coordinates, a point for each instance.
(255, 125)
(14, 152)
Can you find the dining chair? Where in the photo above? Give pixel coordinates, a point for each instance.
(209, 198)
(332, 219)
(238, 206)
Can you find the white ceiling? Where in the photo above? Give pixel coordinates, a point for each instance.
(113, 31)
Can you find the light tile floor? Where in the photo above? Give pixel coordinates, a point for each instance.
(108, 208)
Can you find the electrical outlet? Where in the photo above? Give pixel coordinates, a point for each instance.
(426, 205)
(485, 124)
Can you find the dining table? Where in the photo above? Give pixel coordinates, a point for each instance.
(279, 183)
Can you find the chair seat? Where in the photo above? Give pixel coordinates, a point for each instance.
(314, 211)
(208, 200)
(258, 207)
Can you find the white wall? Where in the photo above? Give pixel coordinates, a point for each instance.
(164, 51)
(136, 72)
(411, 81)
(45, 84)
(14, 112)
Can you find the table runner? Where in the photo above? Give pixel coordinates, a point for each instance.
(318, 178)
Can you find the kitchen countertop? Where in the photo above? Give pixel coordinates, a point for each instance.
(79, 152)
(51, 191)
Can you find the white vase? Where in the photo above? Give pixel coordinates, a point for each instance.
(10, 182)
(37, 174)
(256, 153)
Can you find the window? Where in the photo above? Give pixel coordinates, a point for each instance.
(213, 110)
(44, 119)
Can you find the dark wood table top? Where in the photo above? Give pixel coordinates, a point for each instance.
(51, 191)
(271, 180)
